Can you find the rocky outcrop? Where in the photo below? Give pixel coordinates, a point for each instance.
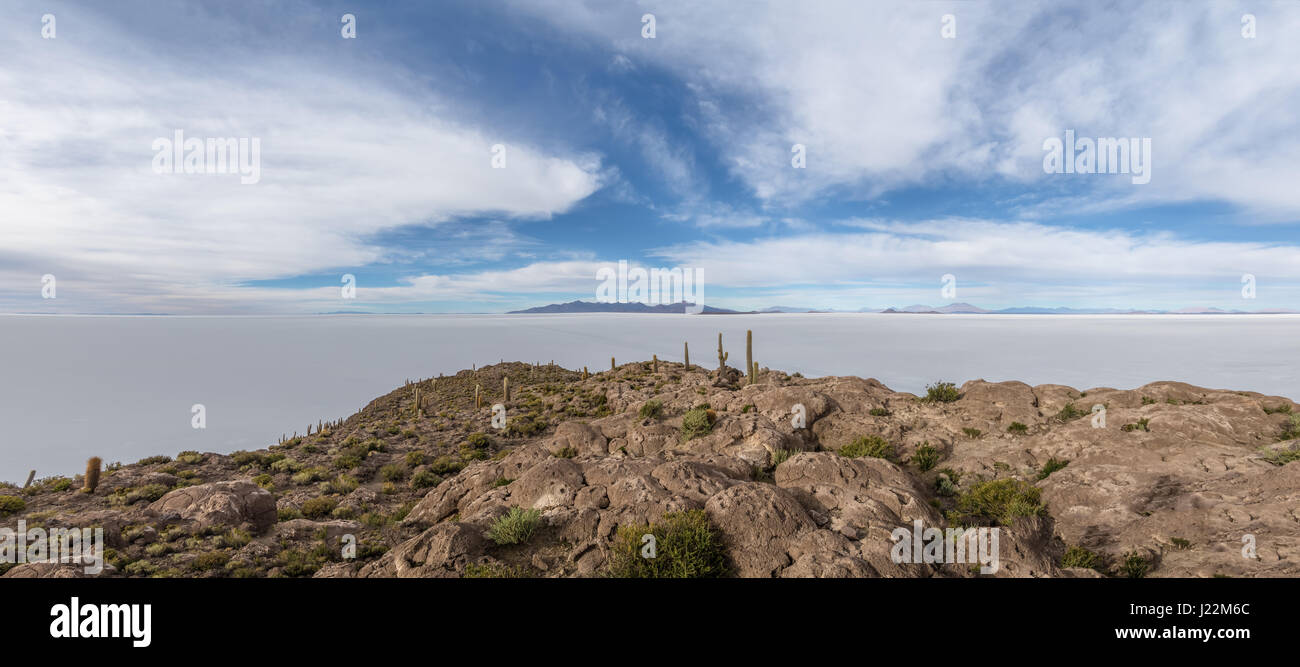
(221, 504)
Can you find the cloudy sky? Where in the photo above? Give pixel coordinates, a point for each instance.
(924, 154)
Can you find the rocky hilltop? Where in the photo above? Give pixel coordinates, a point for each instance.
(759, 474)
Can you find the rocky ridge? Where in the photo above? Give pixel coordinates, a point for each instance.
(1164, 480)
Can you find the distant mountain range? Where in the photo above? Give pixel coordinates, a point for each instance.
(634, 307)
(950, 309)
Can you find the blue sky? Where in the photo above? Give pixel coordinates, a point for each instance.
(924, 154)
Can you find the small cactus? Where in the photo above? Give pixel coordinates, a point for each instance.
(749, 355)
(655, 363)
(686, 355)
(92, 474)
(585, 374)
(722, 357)
(611, 363)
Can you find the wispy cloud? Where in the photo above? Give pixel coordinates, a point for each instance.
(345, 156)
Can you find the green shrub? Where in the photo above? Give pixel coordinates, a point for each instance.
(1017, 428)
(263, 480)
(501, 481)
(235, 538)
(1069, 413)
(1180, 543)
(151, 460)
(445, 465)
(651, 409)
(425, 479)
(946, 483)
(925, 457)
(347, 461)
(695, 423)
(242, 458)
(299, 563)
(469, 453)
(139, 568)
(942, 392)
(1282, 457)
(341, 485)
(781, 456)
(11, 504)
(1290, 430)
(515, 526)
(286, 465)
(479, 440)
(872, 446)
(525, 425)
(972, 433)
(191, 457)
(880, 412)
(496, 571)
(393, 472)
(308, 475)
(686, 545)
(1053, 464)
(1134, 566)
(149, 492)
(318, 508)
(565, 452)
(414, 459)
(997, 502)
(1284, 409)
(1080, 557)
(212, 560)
(1141, 425)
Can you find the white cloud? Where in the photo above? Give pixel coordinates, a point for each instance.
(997, 264)
(344, 155)
(882, 101)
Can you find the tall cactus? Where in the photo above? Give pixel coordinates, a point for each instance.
(655, 363)
(505, 388)
(585, 375)
(415, 407)
(722, 357)
(749, 354)
(686, 354)
(30, 476)
(611, 363)
(92, 474)
(478, 398)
